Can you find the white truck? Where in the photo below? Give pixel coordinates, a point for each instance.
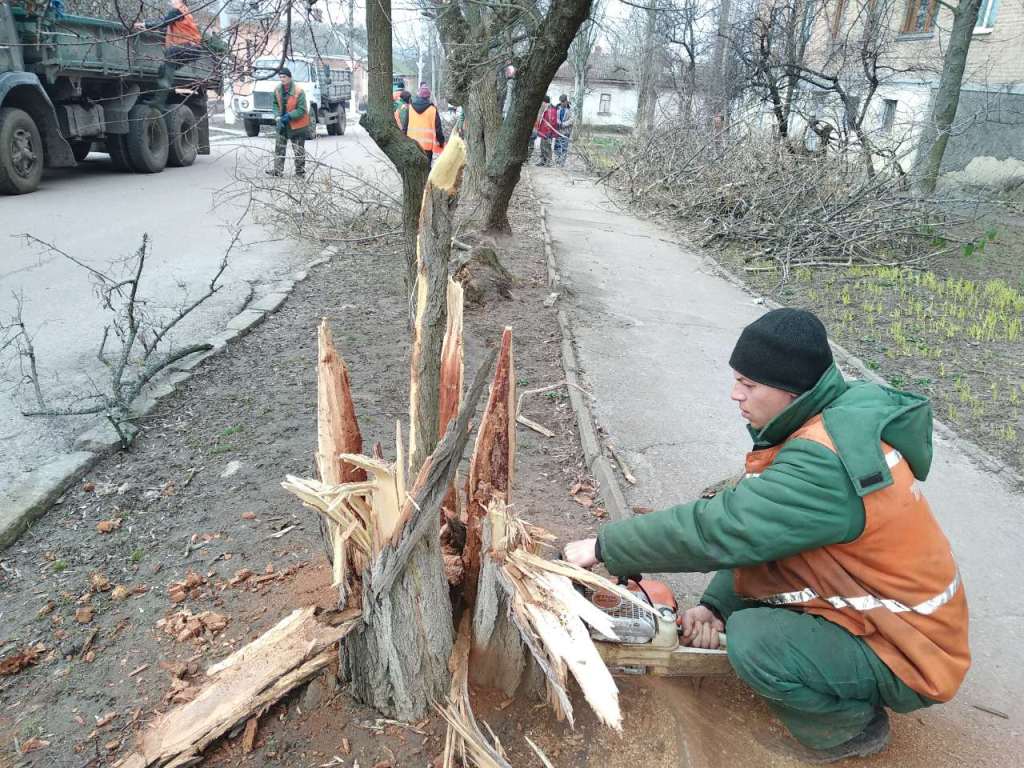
(328, 91)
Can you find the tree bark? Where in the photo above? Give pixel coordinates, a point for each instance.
(947, 97)
(406, 155)
(647, 79)
(483, 122)
(548, 46)
(719, 85)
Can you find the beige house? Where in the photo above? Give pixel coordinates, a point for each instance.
(912, 36)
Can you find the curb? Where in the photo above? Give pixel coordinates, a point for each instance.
(29, 497)
(593, 451)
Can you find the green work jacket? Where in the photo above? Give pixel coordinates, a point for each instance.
(809, 497)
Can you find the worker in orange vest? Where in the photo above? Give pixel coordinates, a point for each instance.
(293, 124)
(422, 124)
(182, 42)
(835, 586)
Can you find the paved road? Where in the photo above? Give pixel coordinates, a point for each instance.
(98, 216)
(654, 327)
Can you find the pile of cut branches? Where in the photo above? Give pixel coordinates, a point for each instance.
(785, 207)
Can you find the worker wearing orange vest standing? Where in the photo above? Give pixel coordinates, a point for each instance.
(293, 124)
(836, 586)
(182, 41)
(422, 123)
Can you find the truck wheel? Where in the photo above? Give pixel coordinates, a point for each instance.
(81, 149)
(182, 136)
(332, 129)
(313, 117)
(252, 127)
(147, 139)
(342, 119)
(117, 148)
(21, 152)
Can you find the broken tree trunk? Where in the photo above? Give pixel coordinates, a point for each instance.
(337, 433)
(452, 374)
(398, 660)
(492, 466)
(242, 686)
(433, 251)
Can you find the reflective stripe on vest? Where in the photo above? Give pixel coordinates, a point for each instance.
(421, 128)
(183, 31)
(291, 105)
(867, 602)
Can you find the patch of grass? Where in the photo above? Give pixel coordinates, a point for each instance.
(218, 450)
(137, 555)
(59, 566)
(234, 430)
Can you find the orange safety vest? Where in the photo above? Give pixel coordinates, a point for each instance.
(896, 585)
(290, 105)
(421, 129)
(183, 31)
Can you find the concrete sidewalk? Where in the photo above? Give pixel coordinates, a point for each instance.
(653, 327)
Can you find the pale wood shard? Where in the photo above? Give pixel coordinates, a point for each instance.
(337, 426)
(452, 360)
(492, 466)
(241, 687)
(337, 433)
(452, 374)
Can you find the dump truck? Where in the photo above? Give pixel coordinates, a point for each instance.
(328, 92)
(72, 84)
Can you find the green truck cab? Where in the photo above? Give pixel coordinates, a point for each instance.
(71, 84)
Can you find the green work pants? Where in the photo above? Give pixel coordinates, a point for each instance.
(298, 141)
(822, 682)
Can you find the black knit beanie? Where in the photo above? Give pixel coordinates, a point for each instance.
(785, 348)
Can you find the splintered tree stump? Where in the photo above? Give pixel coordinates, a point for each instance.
(398, 661)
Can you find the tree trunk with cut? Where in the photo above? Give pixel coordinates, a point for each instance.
(483, 124)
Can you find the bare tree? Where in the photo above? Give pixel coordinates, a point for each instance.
(480, 38)
(580, 51)
(947, 96)
(649, 69)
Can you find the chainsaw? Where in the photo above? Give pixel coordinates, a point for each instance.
(648, 642)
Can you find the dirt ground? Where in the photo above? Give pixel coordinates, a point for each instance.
(199, 494)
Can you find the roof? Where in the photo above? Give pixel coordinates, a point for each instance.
(602, 67)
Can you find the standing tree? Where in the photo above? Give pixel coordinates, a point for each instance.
(649, 69)
(947, 97)
(481, 37)
(580, 51)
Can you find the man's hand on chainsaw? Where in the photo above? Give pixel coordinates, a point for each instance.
(700, 628)
(582, 553)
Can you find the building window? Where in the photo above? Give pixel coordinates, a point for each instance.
(920, 16)
(888, 115)
(605, 107)
(987, 15)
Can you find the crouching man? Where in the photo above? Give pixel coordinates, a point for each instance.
(835, 585)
